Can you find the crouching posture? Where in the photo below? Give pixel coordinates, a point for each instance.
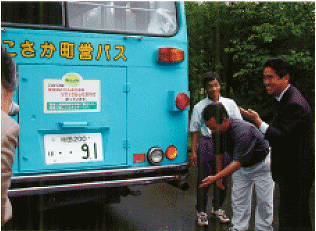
(251, 166)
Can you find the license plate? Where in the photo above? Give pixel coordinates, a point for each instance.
(73, 148)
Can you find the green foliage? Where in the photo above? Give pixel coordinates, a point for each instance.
(234, 39)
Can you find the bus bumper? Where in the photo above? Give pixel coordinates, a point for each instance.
(98, 179)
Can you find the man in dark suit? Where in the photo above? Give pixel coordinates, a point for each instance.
(291, 136)
(9, 132)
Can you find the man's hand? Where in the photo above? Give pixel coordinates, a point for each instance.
(232, 167)
(251, 115)
(207, 181)
(194, 160)
(211, 179)
(219, 184)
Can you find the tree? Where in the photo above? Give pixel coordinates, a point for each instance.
(234, 38)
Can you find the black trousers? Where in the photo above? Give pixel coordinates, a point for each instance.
(208, 168)
(294, 213)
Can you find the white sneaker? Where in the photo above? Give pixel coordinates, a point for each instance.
(221, 215)
(202, 219)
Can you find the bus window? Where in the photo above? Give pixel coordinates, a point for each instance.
(157, 18)
(43, 13)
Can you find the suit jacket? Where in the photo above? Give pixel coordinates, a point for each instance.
(291, 136)
(9, 133)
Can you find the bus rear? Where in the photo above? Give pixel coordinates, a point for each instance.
(103, 96)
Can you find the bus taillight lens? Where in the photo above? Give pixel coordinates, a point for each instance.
(170, 55)
(182, 101)
(171, 152)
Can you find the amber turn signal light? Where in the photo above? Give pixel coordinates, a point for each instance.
(171, 152)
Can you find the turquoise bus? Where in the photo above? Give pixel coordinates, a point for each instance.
(103, 96)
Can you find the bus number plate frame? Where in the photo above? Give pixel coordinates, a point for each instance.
(73, 148)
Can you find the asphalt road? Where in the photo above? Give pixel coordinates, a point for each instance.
(159, 207)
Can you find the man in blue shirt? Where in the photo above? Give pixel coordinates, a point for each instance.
(250, 153)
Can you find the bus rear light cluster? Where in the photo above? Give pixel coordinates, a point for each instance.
(155, 155)
(170, 55)
(182, 101)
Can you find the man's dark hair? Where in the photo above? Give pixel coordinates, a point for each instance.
(210, 76)
(280, 66)
(216, 110)
(8, 77)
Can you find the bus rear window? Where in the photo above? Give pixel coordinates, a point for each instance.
(158, 18)
(34, 13)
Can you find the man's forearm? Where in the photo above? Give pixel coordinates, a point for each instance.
(195, 138)
(235, 165)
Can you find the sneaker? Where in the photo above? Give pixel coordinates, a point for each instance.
(202, 219)
(221, 215)
(233, 229)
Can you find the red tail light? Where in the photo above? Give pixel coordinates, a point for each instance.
(182, 101)
(170, 55)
